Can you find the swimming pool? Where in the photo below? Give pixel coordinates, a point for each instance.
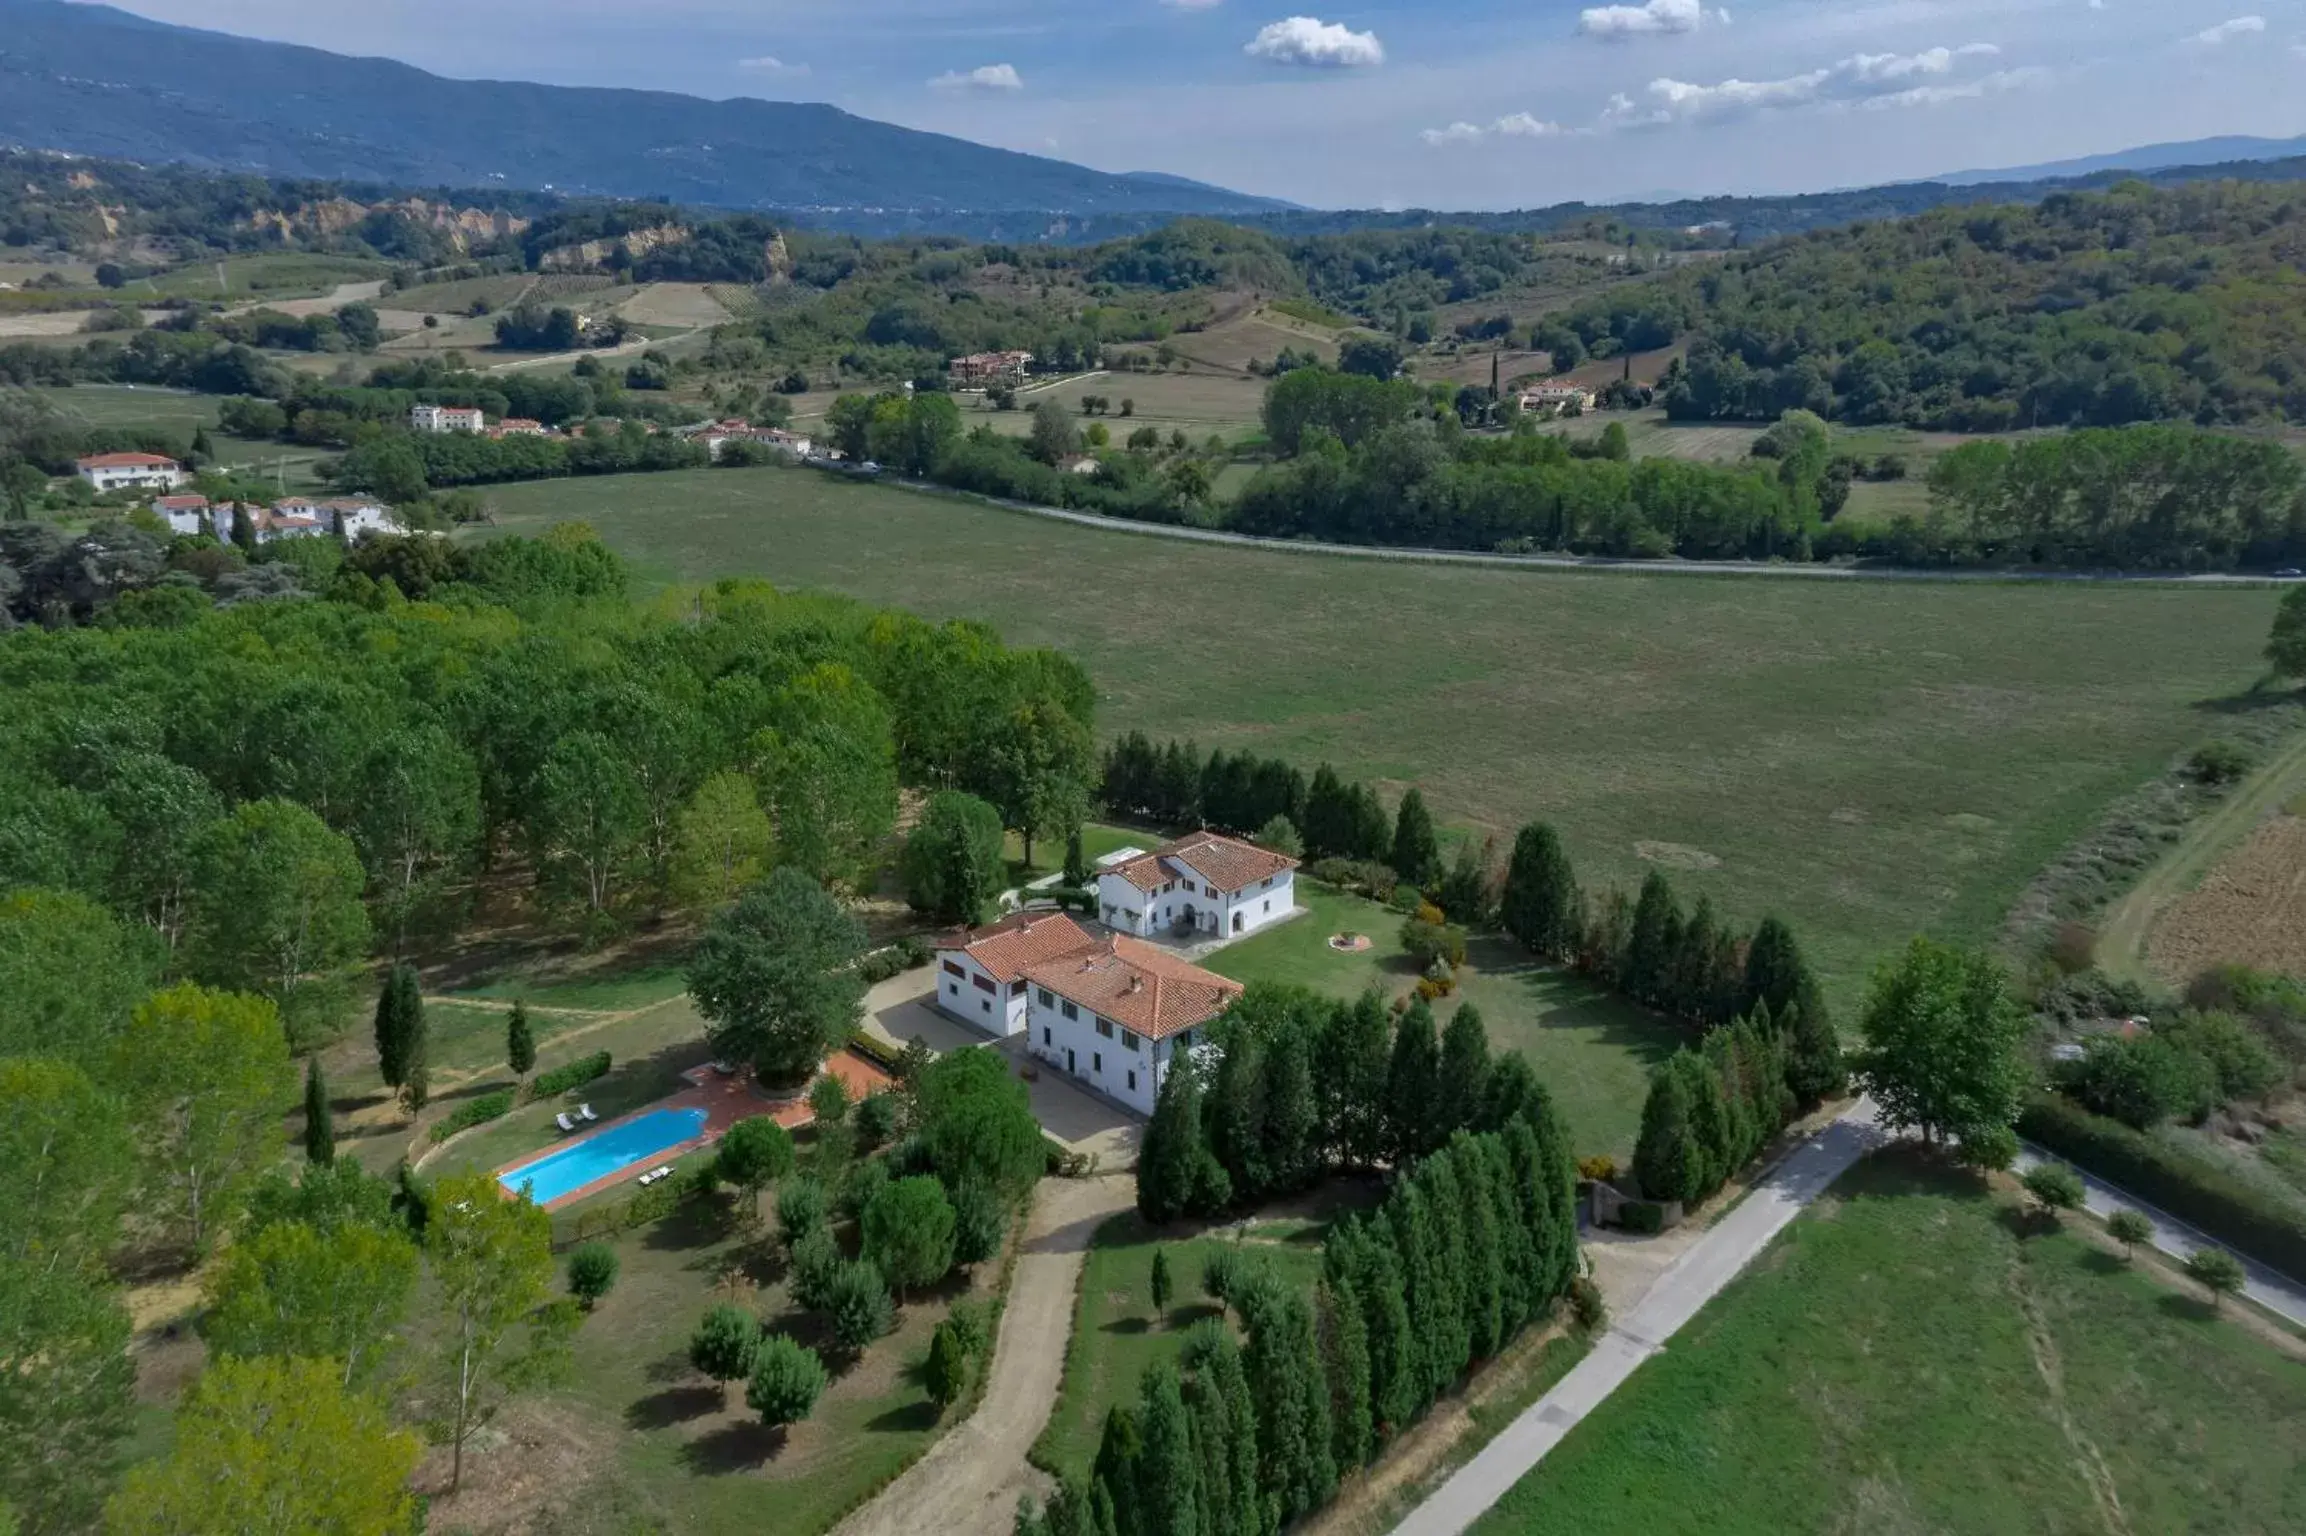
(549, 1178)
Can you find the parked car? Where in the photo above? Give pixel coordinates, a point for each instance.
(2288, 573)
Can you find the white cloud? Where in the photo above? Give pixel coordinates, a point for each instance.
(2211, 37)
(765, 65)
(988, 78)
(1867, 79)
(1650, 19)
(1515, 125)
(1311, 44)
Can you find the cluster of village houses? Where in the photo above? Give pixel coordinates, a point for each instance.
(291, 517)
(1112, 1003)
(713, 434)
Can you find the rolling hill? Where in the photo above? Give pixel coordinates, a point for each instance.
(94, 80)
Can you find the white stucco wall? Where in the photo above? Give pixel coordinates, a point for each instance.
(1104, 1063)
(999, 1012)
(1159, 912)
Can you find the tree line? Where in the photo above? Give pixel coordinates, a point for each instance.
(1474, 1242)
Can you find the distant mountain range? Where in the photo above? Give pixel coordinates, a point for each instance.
(2146, 157)
(95, 80)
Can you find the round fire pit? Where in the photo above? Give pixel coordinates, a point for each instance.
(1349, 943)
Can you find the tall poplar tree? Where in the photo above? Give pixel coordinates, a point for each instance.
(319, 1117)
(1416, 850)
(1413, 1087)
(1464, 1069)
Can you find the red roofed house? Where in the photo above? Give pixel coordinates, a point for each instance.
(1116, 1014)
(1205, 883)
(187, 515)
(142, 471)
(981, 971)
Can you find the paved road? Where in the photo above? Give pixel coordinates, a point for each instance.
(1711, 1263)
(2276, 1292)
(969, 1482)
(1593, 563)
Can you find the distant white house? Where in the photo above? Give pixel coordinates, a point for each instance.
(1079, 464)
(736, 431)
(1116, 1015)
(292, 517)
(981, 971)
(132, 471)
(1557, 400)
(1205, 883)
(446, 418)
(187, 514)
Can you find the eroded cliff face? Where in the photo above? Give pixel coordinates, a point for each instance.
(592, 255)
(464, 227)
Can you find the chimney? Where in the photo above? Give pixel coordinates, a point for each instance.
(1136, 983)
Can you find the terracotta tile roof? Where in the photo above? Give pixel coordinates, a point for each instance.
(180, 503)
(1225, 862)
(127, 461)
(1139, 986)
(1006, 949)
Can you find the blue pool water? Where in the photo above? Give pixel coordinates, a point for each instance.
(549, 1178)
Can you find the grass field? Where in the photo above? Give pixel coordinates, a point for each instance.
(1868, 759)
(1902, 1361)
(1592, 1050)
(126, 405)
(286, 274)
(1196, 403)
(1115, 1334)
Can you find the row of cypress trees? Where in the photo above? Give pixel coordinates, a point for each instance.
(1174, 785)
(1712, 1107)
(1476, 1241)
(1301, 1087)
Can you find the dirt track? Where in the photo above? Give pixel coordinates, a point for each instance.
(969, 1482)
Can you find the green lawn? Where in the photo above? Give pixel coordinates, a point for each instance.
(280, 275)
(1097, 840)
(1901, 1361)
(1869, 759)
(123, 405)
(1594, 1051)
(1115, 1335)
(640, 1442)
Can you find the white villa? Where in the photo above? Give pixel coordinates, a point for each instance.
(446, 418)
(140, 471)
(1114, 1015)
(1203, 883)
(981, 971)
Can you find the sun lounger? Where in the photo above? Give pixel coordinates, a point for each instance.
(585, 1112)
(564, 1122)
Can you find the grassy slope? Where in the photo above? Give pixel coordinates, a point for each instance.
(1869, 759)
(1898, 1361)
(1593, 1050)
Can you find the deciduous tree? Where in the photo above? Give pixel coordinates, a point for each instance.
(290, 1289)
(754, 1153)
(66, 1167)
(492, 1264)
(722, 842)
(66, 1396)
(774, 977)
(277, 911)
(274, 1447)
(952, 859)
(1942, 1043)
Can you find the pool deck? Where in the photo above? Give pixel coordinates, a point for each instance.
(724, 1099)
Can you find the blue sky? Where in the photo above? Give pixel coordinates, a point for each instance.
(1448, 103)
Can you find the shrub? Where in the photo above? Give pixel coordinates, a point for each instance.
(857, 1303)
(1641, 1216)
(2202, 1192)
(1427, 940)
(1280, 834)
(2219, 762)
(1434, 988)
(1603, 1168)
(1587, 1305)
(2140, 1082)
(2243, 1064)
(947, 1372)
(2216, 1271)
(816, 1259)
(800, 1210)
(972, 1324)
(915, 951)
(569, 1075)
(877, 1117)
(876, 1050)
(786, 1381)
(979, 1220)
(1363, 877)
(592, 1272)
(2073, 947)
(489, 1106)
(2054, 1186)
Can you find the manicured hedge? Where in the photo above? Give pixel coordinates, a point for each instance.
(561, 1079)
(873, 1048)
(2188, 1187)
(488, 1106)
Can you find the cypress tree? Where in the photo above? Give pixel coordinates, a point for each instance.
(1690, 988)
(519, 1041)
(1328, 824)
(1284, 1366)
(1814, 1068)
(1159, 1285)
(1464, 1070)
(1482, 1278)
(1724, 1052)
(1425, 1297)
(1448, 1354)
(1292, 1112)
(1168, 1474)
(1463, 894)
(1077, 871)
(1711, 1127)
(1180, 796)
(1541, 904)
(1345, 1367)
(1416, 851)
(1509, 1088)
(243, 529)
(1372, 828)
(1517, 1264)
(1649, 947)
(1394, 1370)
(319, 1115)
(1225, 1432)
(1666, 1162)
(1114, 1474)
(1355, 1064)
(1233, 1114)
(1413, 1087)
(400, 1032)
(1775, 972)
(1169, 1161)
